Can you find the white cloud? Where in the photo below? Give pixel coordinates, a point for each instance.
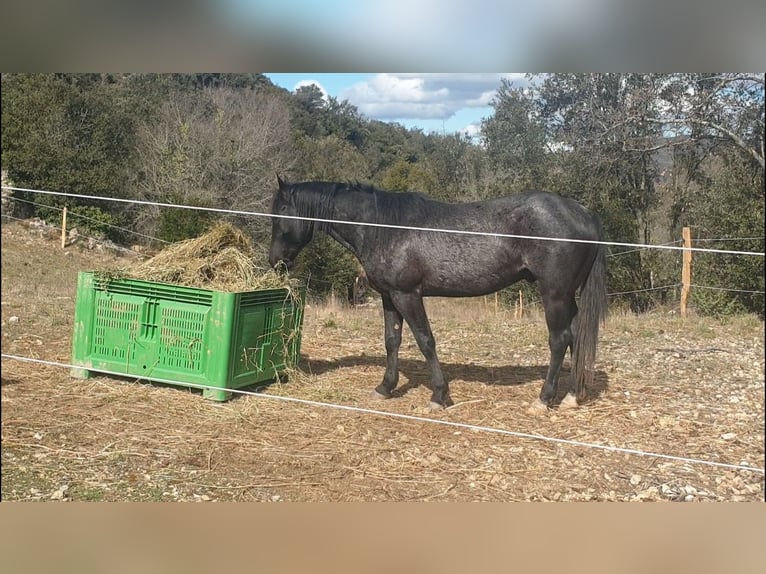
(472, 130)
(424, 96)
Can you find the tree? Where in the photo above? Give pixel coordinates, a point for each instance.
(329, 158)
(515, 141)
(405, 176)
(385, 144)
(696, 137)
(70, 133)
(728, 108)
(458, 167)
(328, 267)
(307, 109)
(716, 124)
(343, 120)
(605, 160)
(732, 206)
(215, 148)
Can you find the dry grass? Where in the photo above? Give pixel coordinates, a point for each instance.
(690, 388)
(221, 259)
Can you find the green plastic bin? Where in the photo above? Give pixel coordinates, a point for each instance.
(185, 335)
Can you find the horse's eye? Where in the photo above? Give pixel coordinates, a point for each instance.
(283, 208)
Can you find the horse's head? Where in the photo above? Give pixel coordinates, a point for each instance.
(288, 236)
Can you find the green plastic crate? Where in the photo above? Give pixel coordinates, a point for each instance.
(184, 335)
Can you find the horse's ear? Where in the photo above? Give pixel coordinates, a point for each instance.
(281, 182)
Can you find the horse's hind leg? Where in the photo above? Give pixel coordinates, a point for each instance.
(570, 400)
(410, 305)
(392, 321)
(559, 312)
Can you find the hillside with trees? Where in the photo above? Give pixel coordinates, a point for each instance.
(651, 153)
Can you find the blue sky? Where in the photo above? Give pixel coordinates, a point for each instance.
(442, 102)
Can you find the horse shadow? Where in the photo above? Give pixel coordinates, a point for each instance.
(417, 373)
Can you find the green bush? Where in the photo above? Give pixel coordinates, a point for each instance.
(717, 304)
(329, 267)
(178, 224)
(93, 222)
(89, 221)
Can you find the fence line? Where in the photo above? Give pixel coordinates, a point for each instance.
(642, 248)
(700, 240)
(534, 302)
(725, 289)
(531, 302)
(534, 436)
(71, 214)
(97, 239)
(642, 290)
(386, 225)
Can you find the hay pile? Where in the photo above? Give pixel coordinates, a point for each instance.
(223, 259)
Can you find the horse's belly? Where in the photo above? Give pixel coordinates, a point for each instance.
(462, 282)
(450, 269)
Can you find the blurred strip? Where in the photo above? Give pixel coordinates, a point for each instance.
(339, 35)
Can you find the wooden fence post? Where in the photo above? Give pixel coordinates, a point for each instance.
(63, 229)
(518, 307)
(686, 272)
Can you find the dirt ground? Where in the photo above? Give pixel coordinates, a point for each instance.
(690, 388)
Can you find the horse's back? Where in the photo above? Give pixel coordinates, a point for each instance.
(547, 214)
(501, 252)
(529, 213)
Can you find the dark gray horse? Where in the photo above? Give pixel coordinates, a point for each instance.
(406, 265)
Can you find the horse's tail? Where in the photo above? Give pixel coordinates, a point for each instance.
(592, 312)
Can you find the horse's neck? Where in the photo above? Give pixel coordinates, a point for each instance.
(346, 240)
(350, 205)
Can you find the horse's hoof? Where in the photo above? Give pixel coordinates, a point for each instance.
(434, 406)
(537, 407)
(379, 396)
(568, 402)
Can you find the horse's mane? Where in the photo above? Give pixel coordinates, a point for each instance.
(390, 207)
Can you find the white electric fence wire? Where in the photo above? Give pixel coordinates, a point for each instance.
(694, 285)
(386, 225)
(85, 217)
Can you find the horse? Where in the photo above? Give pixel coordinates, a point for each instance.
(399, 239)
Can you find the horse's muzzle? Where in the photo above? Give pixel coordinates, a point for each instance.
(280, 264)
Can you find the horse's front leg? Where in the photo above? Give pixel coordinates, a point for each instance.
(410, 305)
(392, 320)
